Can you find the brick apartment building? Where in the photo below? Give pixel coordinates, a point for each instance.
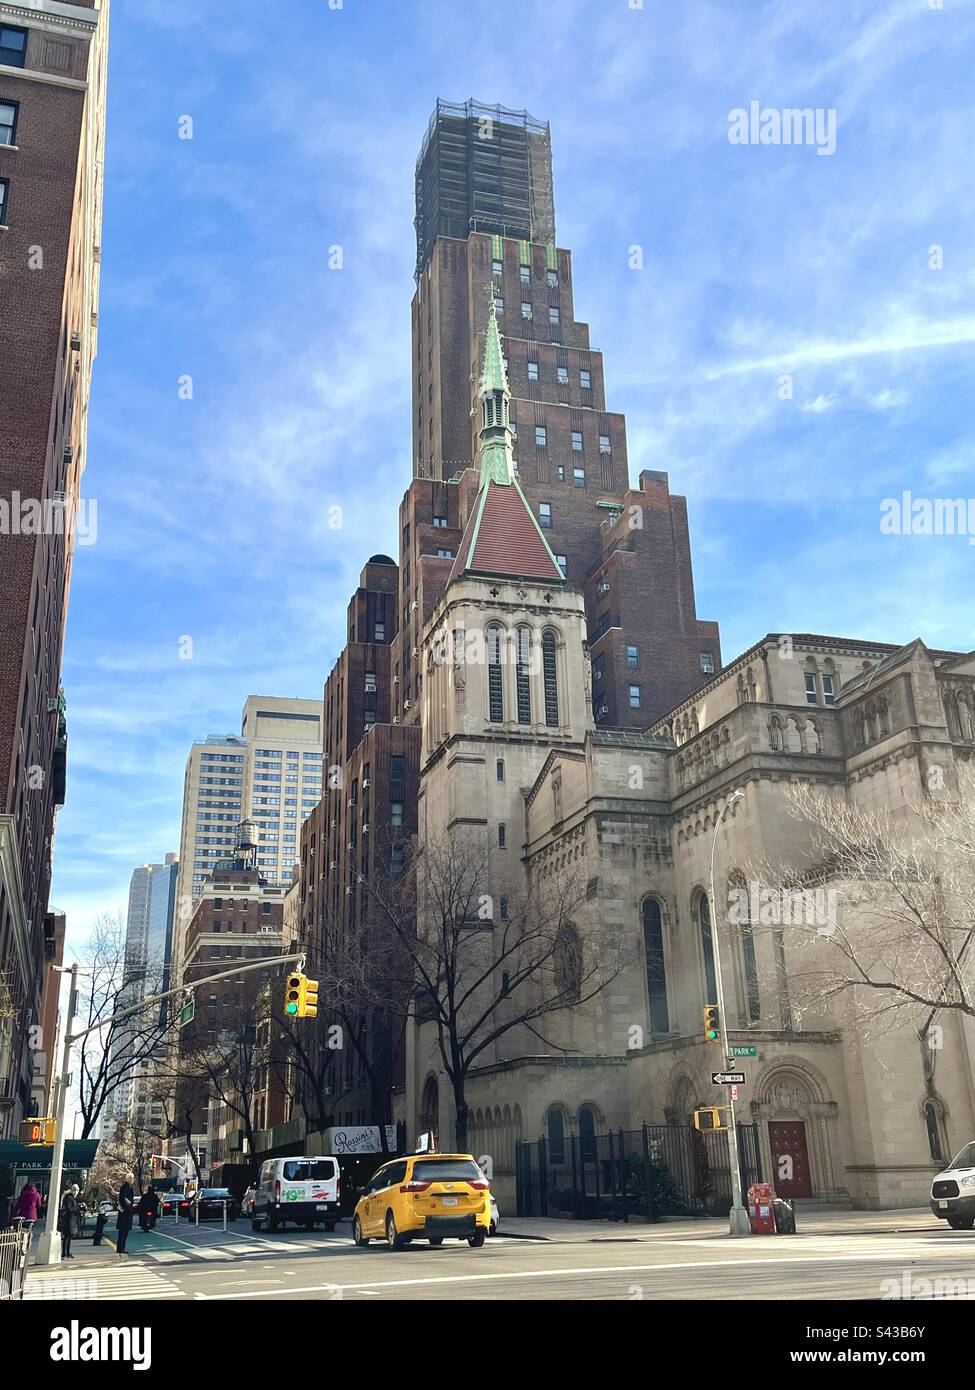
(239, 917)
(53, 60)
(486, 232)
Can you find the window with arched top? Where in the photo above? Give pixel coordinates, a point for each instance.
(568, 961)
(550, 679)
(703, 915)
(587, 1133)
(653, 947)
(932, 1123)
(523, 689)
(495, 676)
(555, 1129)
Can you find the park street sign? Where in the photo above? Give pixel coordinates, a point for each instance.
(742, 1051)
(727, 1078)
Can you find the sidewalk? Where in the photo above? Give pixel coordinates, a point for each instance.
(88, 1256)
(813, 1223)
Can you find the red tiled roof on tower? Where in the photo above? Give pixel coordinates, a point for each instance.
(502, 538)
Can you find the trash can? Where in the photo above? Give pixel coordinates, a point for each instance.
(101, 1221)
(760, 1217)
(785, 1217)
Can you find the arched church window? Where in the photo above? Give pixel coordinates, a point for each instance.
(587, 1133)
(653, 947)
(707, 949)
(522, 675)
(556, 1136)
(932, 1123)
(495, 676)
(550, 679)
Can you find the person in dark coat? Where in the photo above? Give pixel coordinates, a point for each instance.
(148, 1208)
(28, 1204)
(69, 1219)
(126, 1206)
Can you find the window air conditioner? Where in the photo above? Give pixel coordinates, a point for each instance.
(365, 783)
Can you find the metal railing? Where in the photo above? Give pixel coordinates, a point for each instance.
(649, 1173)
(14, 1255)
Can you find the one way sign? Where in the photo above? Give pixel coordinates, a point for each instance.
(727, 1078)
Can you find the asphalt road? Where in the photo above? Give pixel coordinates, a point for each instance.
(210, 1265)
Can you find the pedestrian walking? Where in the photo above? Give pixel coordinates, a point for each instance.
(126, 1207)
(28, 1204)
(68, 1219)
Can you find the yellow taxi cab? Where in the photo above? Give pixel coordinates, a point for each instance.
(428, 1196)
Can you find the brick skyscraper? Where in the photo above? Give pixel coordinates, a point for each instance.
(53, 60)
(485, 228)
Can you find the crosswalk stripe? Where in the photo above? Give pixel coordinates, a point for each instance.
(135, 1283)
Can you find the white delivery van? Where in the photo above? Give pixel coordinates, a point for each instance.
(953, 1191)
(304, 1191)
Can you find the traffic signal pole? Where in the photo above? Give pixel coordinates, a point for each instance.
(740, 1225)
(49, 1245)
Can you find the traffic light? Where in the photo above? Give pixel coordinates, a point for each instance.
(38, 1131)
(292, 995)
(308, 1004)
(301, 996)
(712, 1023)
(708, 1118)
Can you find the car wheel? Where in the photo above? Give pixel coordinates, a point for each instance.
(494, 1229)
(272, 1222)
(961, 1223)
(330, 1225)
(255, 1223)
(357, 1235)
(309, 1225)
(436, 1240)
(393, 1238)
(477, 1239)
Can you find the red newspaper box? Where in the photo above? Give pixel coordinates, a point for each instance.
(761, 1216)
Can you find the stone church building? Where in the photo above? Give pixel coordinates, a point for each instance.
(511, 752)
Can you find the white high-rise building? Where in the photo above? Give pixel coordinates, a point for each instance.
(271, 773)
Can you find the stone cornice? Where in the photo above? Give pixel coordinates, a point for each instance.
(57, 18)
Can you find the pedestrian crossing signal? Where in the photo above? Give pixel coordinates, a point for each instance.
(709, 1118)
(712, 1023)
(38, 1131)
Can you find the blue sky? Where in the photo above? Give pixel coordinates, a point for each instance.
(213, 513)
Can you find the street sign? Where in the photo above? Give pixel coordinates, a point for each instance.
(187, 1013)
(727, 1078)
(742, 1051)
(734, 1093)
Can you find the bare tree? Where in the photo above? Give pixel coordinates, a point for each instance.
(480, 964)
(108, 985)
(880, 916)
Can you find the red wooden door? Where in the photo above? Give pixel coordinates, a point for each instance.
(790, 1158)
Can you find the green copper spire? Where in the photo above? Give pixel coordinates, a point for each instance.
(495, 449)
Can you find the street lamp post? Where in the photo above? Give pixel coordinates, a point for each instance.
(740, 1225)
(49, 1245)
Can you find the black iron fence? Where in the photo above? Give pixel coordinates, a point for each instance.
(647, 1173)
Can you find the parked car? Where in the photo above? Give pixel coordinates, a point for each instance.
(301, 1190)
(247, 1201)
(426, 1196)
(106, 1208)
(170, 1202)
(495, 1215)
(210, 1203)
(953, 1191)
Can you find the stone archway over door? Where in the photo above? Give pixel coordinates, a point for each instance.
(797, 1120)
